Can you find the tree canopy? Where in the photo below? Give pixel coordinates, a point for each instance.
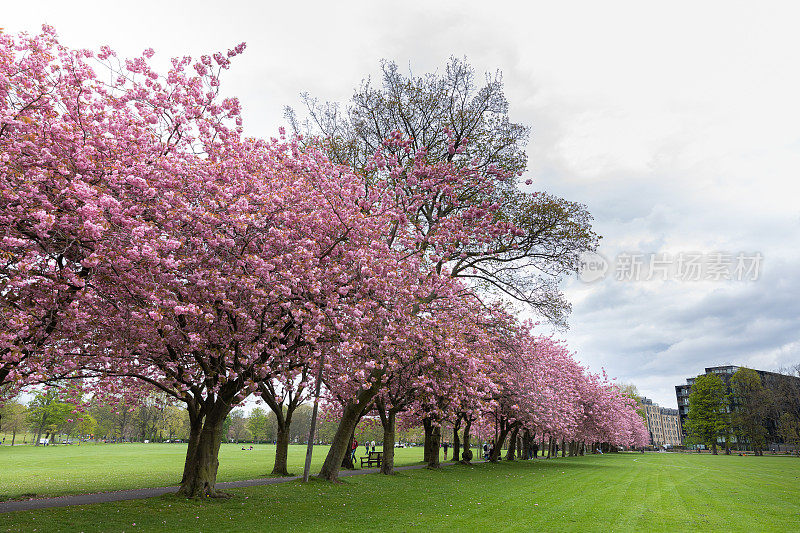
(151, 247)
(708, 419)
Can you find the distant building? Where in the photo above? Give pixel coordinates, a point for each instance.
(662, 423)
(778, 383)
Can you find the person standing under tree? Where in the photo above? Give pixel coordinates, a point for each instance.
(444, 447)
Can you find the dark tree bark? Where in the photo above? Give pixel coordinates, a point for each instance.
(387, 466)
(512, 445)
(343, 437)
(505, 428)
(525, 448)
(467, 457)
(282, 449)
(202, 455)
(389, 423)
(433, 435)
(427, 427)
(349, 461)
(457, 439)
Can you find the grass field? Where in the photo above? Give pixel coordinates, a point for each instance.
(27, 471)
(625, 492)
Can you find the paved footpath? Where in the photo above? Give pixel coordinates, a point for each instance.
(138, 494)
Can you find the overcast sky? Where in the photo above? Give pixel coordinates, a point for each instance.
(676, 125)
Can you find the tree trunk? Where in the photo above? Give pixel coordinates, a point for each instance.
(526, 444)
(282, 449)
(202, 458)
(387, 466)
(283, 418)
(433, 435)
(466, 458)
(512, 445)
(498, 446)
(349, 461)
(427, 427)
(563, 448)
(457, 440)
(13, 437)
(714, 448)
(343, 438)
(195, 428)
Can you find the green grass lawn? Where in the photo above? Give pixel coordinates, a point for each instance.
(74, 469)
(625, 492)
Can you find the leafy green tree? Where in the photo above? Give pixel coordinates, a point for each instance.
(236, 426)
(752, 406)
(14, 417)
(106, 421)
(148, 418)
(789, 428)
(86, 426)
(176, 422)
(47, 414)
(786, 394)
(258, 424)
(708, 419)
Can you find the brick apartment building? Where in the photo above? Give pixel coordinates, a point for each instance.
(662, 423)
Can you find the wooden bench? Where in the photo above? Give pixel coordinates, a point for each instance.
(373, 459)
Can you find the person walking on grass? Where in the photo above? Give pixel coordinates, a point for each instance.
(444, 447)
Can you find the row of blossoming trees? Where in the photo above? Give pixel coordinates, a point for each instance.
(147, 244)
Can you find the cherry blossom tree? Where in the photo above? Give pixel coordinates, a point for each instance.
(60, 141)
(214, 259)
(147, 244)
(241, 272)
